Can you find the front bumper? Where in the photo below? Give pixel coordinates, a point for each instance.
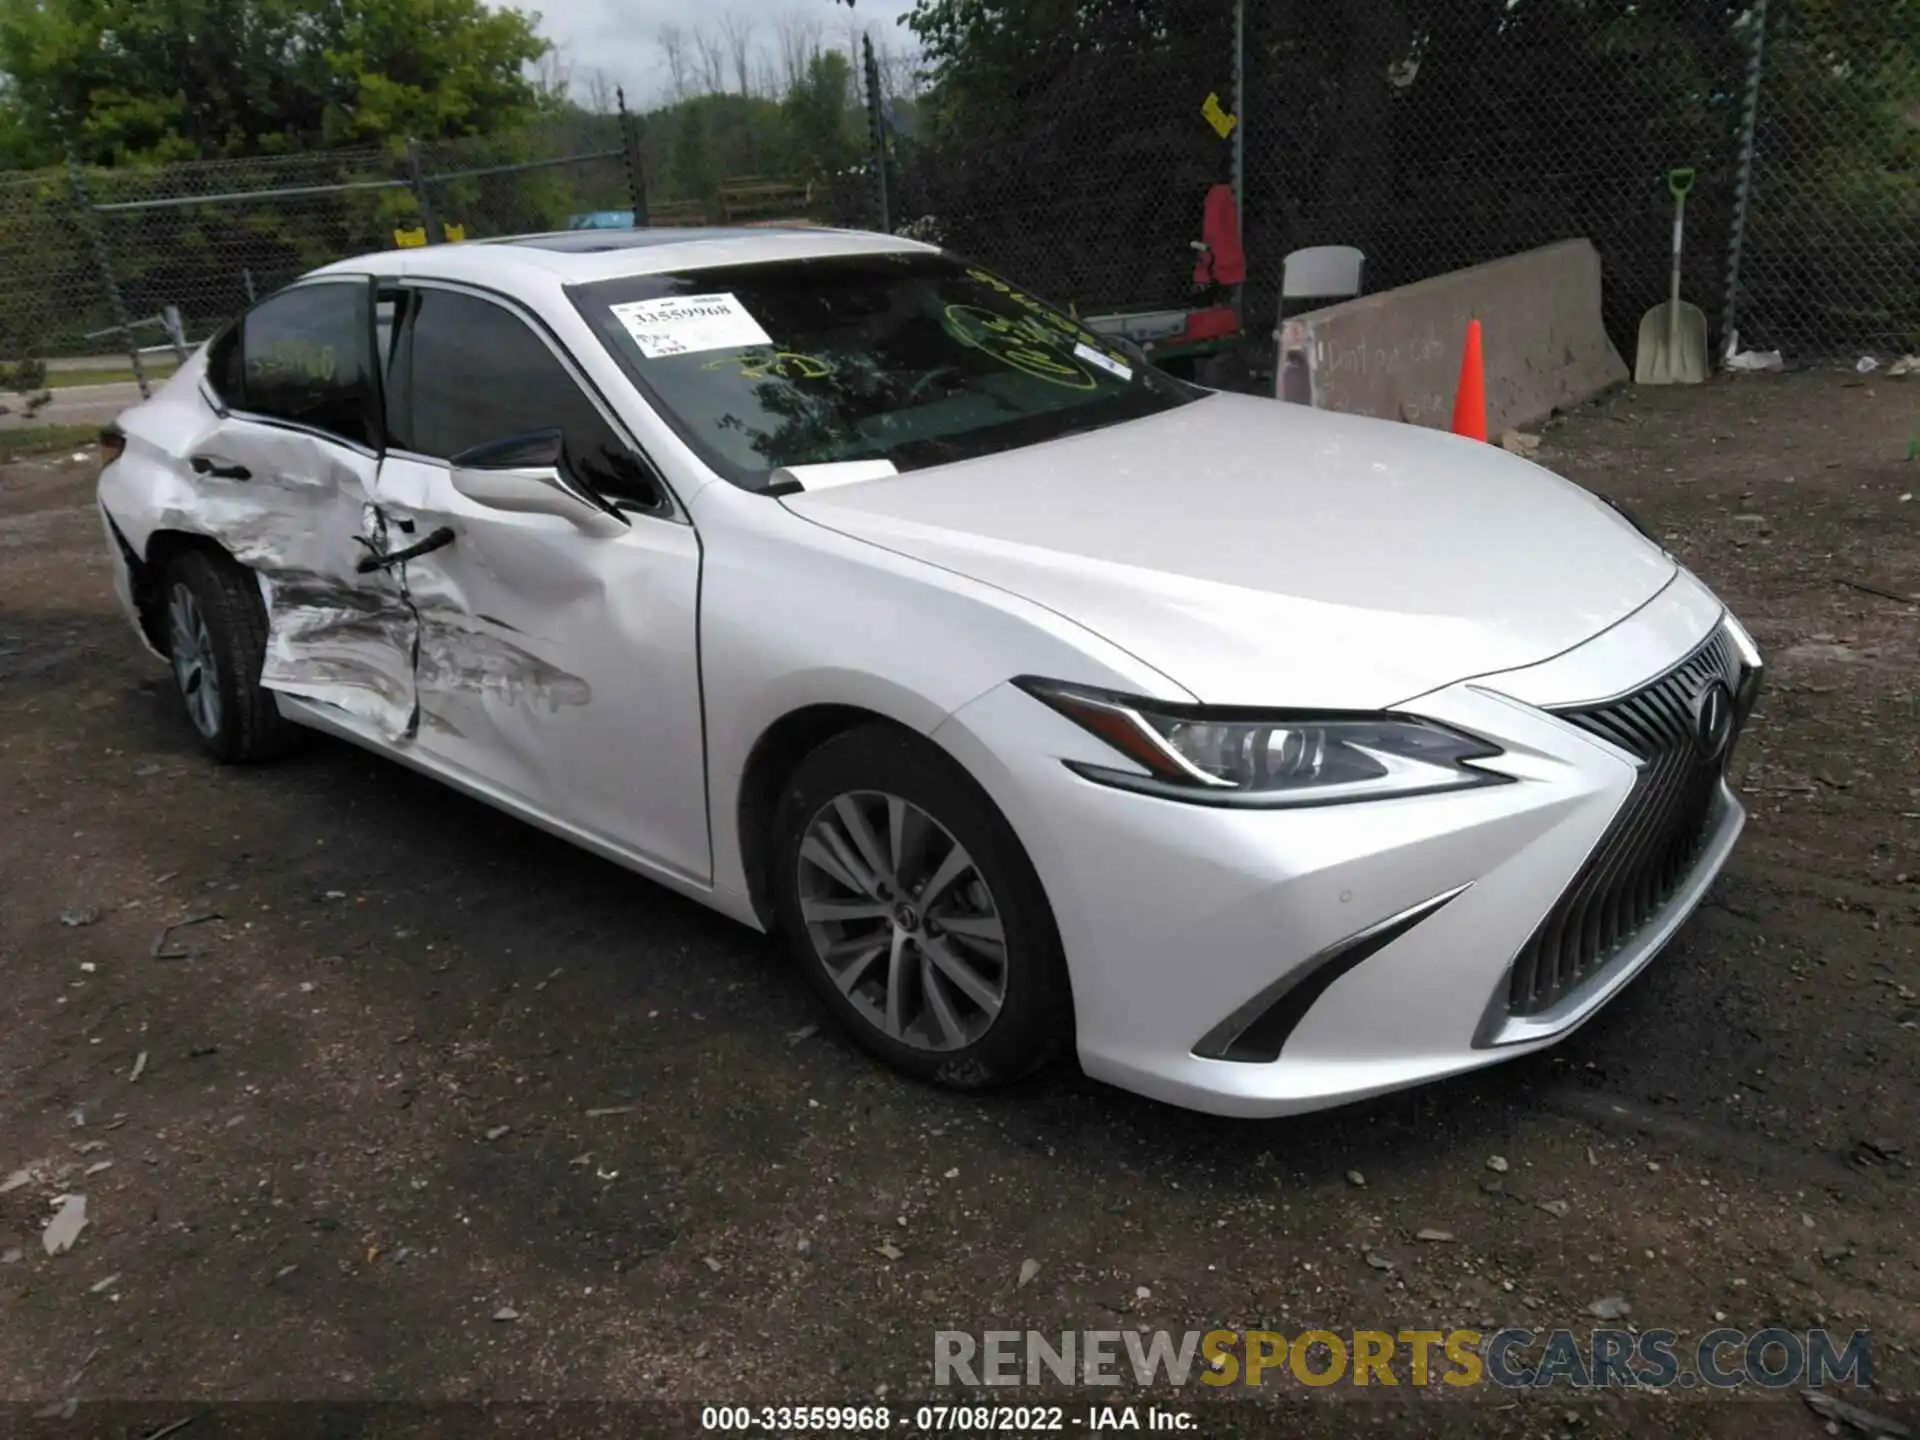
(1393, 926)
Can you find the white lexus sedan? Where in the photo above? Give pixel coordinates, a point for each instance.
(1267, 758)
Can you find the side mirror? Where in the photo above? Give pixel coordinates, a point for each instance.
(522, 474)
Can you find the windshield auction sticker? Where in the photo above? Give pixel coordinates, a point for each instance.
(1106, 362)
(685, 324)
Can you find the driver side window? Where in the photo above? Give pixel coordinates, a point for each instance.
(475, 373)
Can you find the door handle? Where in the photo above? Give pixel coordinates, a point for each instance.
(438, 540)
(219, 469)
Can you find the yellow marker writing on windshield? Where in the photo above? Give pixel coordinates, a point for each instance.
(1065, 325)
(1013, 343)
(781, 364)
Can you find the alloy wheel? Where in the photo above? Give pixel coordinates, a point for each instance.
(191, 645)
(902, 920)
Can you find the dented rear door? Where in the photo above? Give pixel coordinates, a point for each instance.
(282, 473)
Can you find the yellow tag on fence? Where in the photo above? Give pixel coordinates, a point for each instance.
(1218, 118)
(408, 239)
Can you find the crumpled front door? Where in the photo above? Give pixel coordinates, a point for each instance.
(561, 669)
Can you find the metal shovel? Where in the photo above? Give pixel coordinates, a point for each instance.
(1673, 336)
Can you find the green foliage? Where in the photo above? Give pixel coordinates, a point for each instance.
(123, 81)
(706, 139)
(814, 132)
(989, 57)
(691, 173)
(1855, 172)
(819, 116)
(44, 439)
(29, 373)
(46, 258)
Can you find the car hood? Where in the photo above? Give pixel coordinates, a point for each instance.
(1263, 553)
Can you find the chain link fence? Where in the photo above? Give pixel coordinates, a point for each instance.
(1432, 134)
(48, 282)
(87, 255)
(1442, 134)
(1829, 259)
(207, 238)
(1085, 182)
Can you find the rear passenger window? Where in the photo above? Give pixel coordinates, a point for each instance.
(476, 373)
(223, 366)
(304, 356)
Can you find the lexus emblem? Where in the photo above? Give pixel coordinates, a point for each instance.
(1713, 720)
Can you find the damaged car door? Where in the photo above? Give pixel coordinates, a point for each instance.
(282, 474)
(558, 660)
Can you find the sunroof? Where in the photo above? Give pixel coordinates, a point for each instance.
(594, 242)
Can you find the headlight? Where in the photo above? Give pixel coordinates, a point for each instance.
(1231, 758)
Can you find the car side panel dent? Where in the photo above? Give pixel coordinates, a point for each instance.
(341, 643)
(561, 667)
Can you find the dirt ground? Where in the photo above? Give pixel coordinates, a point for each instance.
(429, 1069)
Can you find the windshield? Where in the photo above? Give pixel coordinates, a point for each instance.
(915, 359)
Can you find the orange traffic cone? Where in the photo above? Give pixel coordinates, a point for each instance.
(1470, 401)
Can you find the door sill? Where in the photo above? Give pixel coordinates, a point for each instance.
(332, 721)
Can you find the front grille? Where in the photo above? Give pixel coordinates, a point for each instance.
(1653, 842)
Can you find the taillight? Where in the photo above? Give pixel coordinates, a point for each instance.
(113, 444)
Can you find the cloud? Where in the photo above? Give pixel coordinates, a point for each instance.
(620, 38)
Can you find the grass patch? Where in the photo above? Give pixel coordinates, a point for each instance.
(40, 439)
(66, 379)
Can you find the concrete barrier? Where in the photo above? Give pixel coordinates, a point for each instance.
(1396, 355)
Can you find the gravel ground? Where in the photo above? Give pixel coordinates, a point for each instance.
(434, 1107)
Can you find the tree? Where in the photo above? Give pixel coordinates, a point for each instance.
(690, 172)
(737, 30)
(553, 77)
(595, 91)
(712, 52)
(899, 70)
(673, 50)
(799, 41)
(819, 114)
(158, 80)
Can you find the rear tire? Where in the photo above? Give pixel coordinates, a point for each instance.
(216, 628)
(911, 907)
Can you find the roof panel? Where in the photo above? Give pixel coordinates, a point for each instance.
(594, 242)
(583, 256)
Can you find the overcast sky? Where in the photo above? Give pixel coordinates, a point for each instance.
(620, 37)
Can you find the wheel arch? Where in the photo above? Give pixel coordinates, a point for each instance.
(775, 755)
(879, 753)
(147, 570)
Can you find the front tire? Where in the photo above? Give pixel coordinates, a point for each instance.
(216, 628)
(913, 910)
